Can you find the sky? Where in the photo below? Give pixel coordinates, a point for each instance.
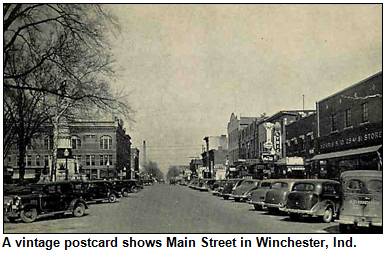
(186, 68)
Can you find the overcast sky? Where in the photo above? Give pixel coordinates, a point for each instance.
(188, 67)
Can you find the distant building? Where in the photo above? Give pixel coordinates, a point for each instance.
(134, 163)
(349, 129)
(234, 127)
(216, 153)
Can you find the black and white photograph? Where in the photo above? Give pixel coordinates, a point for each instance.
(193, 119)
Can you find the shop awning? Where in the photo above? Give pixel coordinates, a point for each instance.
(346, 153)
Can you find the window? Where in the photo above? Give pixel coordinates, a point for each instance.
(334, 121)
(90, 160)
(37, 160)
(46, 160)
(365, 112)
(49, 142)
(347, 118)
(76, 142)
(106, 142)
(29, 160)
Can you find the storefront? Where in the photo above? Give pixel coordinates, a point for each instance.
(332, 165)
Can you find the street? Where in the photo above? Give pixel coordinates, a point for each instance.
(164, 208)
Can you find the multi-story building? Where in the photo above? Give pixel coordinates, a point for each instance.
(216, 153)
(99, 149)
(234, 128)
(349, 129)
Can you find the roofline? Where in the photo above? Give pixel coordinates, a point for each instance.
(289, 112)
(347, 88)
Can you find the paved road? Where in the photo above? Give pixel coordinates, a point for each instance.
(164, 208)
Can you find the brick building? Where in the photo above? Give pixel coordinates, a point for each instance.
(349, 129)
(99, 149)
(234, 128)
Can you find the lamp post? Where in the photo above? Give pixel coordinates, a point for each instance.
(108, 172)
(66, 154)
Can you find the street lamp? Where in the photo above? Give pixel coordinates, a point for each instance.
(66, 154)
(108, 172)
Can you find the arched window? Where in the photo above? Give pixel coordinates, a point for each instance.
(49, 142)
(106, 142)
(76, 142)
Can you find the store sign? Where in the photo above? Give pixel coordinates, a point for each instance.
(268, 157)
(277, 142)
(353, 140)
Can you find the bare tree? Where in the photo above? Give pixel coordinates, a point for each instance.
(152, 169)
(54, 52)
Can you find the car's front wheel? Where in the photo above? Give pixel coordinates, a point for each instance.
(327, 215)
(125, 193)
(29, 215)
(112, 198)
(79, 210)
(134, 189)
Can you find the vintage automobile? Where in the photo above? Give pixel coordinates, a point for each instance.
(99, 191)
(313, 197)
(276, 197)
(230, 185)
(361, 200)
(125, 186)
(55, 198)
(193, 184)
(257, 196)
(241, 192)
(204, 184)
(218, 186)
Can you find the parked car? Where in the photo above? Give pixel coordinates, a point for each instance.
(99, 191)
(230, 185)
(257, 196)
(245, 188)
(361, 199)
(125, 186)
(276, 197)
(218, 186)
(55, 198)
(204, 184)
(314, 197)
(193, 184)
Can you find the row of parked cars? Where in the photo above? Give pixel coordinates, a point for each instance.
(354, 201)
(57, 198)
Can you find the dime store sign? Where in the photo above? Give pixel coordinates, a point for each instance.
(351, 139)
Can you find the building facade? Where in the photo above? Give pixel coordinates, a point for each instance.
(234, 128)
(350, 129)
(98, 149)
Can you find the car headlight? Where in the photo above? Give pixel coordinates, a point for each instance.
(17, 202)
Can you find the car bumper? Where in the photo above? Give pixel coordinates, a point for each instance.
(278, 206)
(260, 203)
(239, 196)
(299, 211)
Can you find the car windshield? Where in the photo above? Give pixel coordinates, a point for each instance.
(246, 183)
(375, 186)
(279, 185)
(304, 187)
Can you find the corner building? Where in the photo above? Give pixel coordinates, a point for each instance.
(349, 125)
